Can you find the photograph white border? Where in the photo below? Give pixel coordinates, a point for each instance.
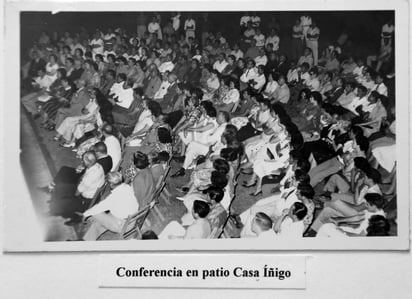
(20, 231)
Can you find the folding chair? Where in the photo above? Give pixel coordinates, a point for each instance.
(132, 226)
(98, 195)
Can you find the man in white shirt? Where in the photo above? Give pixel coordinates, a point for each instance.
(220, 63)
(273, 39)
(110, 213)
(250, 73)
(154, 28)
(93, 177)
(176, 21)
(312, 38)
(97, 44)
(282, 93)
(260, 38)
(161, 92)
(190, 27)
(346, 99)
(113, 145)
(236, 51)
(167, 65)
(262, 59)
(260, 80)
(380, 86)
(360, 101)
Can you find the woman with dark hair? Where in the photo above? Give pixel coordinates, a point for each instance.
(378, 226)
(91, 74)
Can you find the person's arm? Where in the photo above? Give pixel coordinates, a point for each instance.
(102, 206)
(201, 129)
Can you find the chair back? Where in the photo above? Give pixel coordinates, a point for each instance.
(98, 195)
(134, 223)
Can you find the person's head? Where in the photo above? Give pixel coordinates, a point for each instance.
(114, 179)
(305, 191)
(374, 202)
(362, 164)
(200, 209)
(215, 195)
(164, 135)
(282, 80)
(100, 149)
(361, 91)
(221, 166)
(140, 160)
(89, 159)
(80, 83)
(250, 64)
(223, 117)
(373, 177)
(313, 72)
(378, 226)
(298, 211)
(307, 52)
(218, 179)
(61, 73)
(261, 223)
(379, 78)
(107, 130)
(264, 105)
(261, 69)
(328, 77)
(65, 82)
(149, 235)
(349, 87)
(172, 78)
(53, 59)
(110, 75)
(316, 98)
(374, 97)
(121, 78)
(305, 67)
(163, 157)
(301, 177)
(302, 164)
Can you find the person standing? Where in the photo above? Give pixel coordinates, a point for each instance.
(190, 27)
(297, 40)
(312, 38)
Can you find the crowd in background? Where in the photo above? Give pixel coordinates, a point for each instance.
(318, 124)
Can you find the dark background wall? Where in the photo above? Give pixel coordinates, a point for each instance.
(363, 26)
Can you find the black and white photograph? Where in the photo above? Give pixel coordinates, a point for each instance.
(265, 126)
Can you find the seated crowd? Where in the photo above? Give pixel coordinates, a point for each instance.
(315, 138)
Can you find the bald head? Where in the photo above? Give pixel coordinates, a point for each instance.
(89, 158)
